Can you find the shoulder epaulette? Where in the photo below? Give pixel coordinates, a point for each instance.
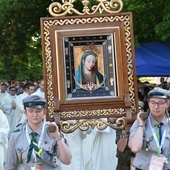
(17, 130)
(19, 127)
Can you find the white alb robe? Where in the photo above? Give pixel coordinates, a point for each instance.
(99, 150)
(1, 96)
(74, 140)
(39, 93)
(4, 129)
(8, 111)
(19, 111)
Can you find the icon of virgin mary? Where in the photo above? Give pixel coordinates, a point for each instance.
(87, 72)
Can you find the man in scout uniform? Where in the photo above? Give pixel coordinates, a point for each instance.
(149, 138)
(33, 145)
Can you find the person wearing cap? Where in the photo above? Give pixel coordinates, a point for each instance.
(36, 144)
(149, 137)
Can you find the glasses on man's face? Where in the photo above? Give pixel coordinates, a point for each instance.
(12, 90)
(159, 104)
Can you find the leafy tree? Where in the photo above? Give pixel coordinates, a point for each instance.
(20, 40)
(150, 19)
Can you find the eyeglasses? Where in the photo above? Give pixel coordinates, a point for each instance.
(159, 104)
(32, 111)
(12, 90)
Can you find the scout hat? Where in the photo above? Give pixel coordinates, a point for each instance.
(34, 101)
(158, 92)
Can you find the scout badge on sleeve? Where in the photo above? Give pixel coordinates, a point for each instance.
(20, 151)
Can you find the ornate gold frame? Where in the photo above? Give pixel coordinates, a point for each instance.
(118, 112)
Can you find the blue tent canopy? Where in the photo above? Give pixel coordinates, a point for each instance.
(153, 59)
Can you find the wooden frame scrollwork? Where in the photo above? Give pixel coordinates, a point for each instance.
(63, 40)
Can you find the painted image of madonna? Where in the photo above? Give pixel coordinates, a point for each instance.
(88, 69)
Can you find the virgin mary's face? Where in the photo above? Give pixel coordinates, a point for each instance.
(89, 62)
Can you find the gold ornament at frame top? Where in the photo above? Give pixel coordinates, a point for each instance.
(57, 9)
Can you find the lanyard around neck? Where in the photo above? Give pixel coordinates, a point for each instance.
(159, 146)
(40, 139)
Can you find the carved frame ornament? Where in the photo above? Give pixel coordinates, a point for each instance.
(120, 108)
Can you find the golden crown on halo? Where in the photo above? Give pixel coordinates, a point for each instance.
(91, 47)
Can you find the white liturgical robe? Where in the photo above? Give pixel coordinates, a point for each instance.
(4, 129)
(99, 150)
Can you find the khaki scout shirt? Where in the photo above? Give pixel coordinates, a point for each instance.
(18, 147)
(143, 157)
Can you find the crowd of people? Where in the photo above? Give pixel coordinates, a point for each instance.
(28, 142)
(145, 87)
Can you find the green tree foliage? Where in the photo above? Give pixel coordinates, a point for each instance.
(20, 40)
(20, 43)
(151, 20)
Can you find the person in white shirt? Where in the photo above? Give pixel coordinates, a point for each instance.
(19, 106)
(29, 89)
(99, 150)
(40, 90)
(75, 144)
(3, 92)
(8, 107)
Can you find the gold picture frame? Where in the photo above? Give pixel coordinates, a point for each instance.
(63, 41)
